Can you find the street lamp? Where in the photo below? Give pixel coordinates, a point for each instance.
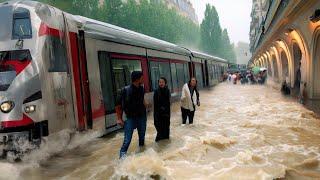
(316, 16)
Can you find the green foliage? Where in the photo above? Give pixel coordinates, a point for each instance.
(227, 48)
(213, 40)
(148, 17)
(87, 8)
(211, 31)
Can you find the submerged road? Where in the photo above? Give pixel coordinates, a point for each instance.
(240, 132)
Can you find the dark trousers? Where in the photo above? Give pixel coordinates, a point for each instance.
(186, 113)
(129, 125)
(162, 124)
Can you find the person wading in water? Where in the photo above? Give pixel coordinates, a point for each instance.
(161, 100)
(189, 100)
(131, 101)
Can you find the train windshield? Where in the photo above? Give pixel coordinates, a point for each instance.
(21, 24)
(10, 65)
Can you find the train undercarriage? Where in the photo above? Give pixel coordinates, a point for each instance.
(14, 143)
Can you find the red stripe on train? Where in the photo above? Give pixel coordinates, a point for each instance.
(77, 82)
(25, 121)
(97, 113)
(46, 30)
(18, 66)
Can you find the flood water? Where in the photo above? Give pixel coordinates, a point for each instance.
(240, 132)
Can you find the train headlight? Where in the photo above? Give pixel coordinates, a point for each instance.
(7, 106)
(30, 109)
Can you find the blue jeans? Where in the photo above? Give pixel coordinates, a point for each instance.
(129, 125)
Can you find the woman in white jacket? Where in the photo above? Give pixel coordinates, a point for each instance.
(189, 100)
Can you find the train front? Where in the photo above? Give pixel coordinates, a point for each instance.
(20, 89)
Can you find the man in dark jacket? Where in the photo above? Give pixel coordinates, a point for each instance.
(161, 100)
(131, 101)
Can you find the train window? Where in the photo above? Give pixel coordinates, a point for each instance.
(159, 69)
(106, 82)
(174, 77)
(186, 72)
(210, 72)
(21, 24)
(199, 75)
(155, 74)
(8, 70)
(180, 75)
(56, 50)
(213, 72)
(122, 70)
(165, 72)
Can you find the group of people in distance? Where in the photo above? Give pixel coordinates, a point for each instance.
(248, 77)
(131, 101)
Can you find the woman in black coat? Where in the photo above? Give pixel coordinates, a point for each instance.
(161, 99)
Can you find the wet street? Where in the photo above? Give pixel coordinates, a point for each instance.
(240, 132)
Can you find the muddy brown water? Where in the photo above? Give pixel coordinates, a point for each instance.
(240, 132)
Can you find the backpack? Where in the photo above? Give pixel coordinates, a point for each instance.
(126, 100)
(125, 97)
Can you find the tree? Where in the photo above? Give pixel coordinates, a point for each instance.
(211, 31)
(111, 12)
(61, 4)
(87, 8)
(227, 49)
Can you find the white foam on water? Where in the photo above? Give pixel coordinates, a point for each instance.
(9, 171)
(59, 142)
(54, 144)
(218, 141)
(141, 166)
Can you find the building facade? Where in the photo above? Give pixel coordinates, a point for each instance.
(288, 44)
(259, 11)
(243, 53)
(184, 7)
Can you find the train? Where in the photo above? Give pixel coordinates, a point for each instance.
(62, 71)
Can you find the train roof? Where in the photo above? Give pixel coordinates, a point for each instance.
(201, 55)
(109, 32)
(114, 33)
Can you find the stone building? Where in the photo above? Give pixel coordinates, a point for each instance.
(184, 7)
(288, 44)
(258, 15)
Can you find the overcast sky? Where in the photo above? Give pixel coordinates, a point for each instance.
(234, 15)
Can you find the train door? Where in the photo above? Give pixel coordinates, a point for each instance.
(205, 71)
(84, 82)
(115, 74)
(80, 81)
(107, 88)
(191, 69)
(199, 74)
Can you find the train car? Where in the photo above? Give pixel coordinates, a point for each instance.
(112, 53)
(61, 71)
(208, 69)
